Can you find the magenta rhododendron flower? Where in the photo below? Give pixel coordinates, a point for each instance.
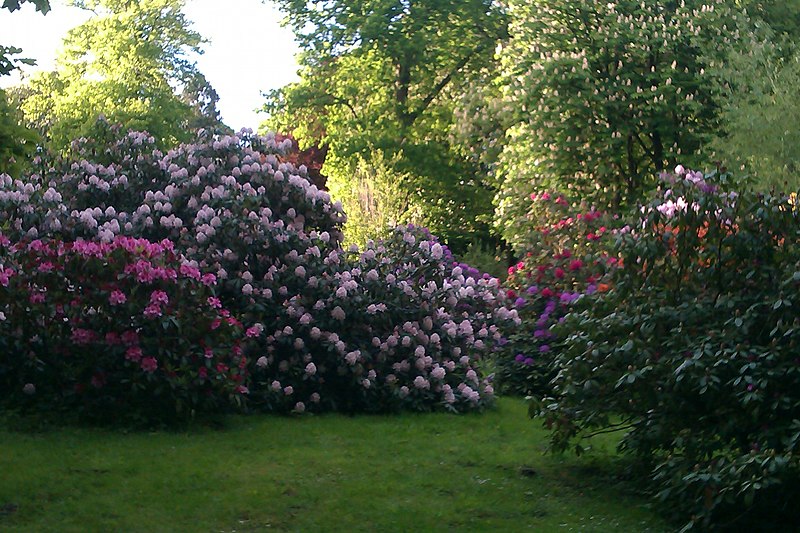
(82, 336)
(134, 353)
(149, 364)
(117, 298)
(152, 311)
(159, 297)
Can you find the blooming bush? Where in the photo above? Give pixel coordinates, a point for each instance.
(322, 322)
(695, 352)
(568, 258)
(119, 329)
(388, 328)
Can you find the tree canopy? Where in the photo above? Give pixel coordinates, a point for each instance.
(379, 86)
(128, 63)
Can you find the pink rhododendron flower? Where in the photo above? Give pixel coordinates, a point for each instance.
(152, 311)
(438, 372)
(159, 297)
(149, 364)
(37, 297)
(338, 313)
(130, 338)
(82, 336)
(421, 383)
(117, 298)
(133, 353)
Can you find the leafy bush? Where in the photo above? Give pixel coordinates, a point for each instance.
(567, 259)
(392, 327)
(492, 260)
(123, 329)
(322, 321)
(695, 352)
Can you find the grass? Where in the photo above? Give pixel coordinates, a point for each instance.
(413, 472)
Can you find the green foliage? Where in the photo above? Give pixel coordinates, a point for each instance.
(376, 203)
(8, 63)
(379, 82)
(758, 84)
(124, 64)
(603, 97)
(41, 5)
(492, 260)
(16, 141)
(694, 354)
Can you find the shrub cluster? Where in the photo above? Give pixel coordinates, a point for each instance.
(568, 258)
(393, 326)
(119, 329)
(695, 352)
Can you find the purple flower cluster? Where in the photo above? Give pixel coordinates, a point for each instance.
(267, 241)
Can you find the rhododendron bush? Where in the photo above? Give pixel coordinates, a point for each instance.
(569, 258)
(694, 353)
(393, 326)
(114, 329)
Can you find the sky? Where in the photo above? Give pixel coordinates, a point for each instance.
(248, 51)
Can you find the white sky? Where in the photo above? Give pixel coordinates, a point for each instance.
(248, 53)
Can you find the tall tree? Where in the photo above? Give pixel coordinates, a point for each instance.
(379, 81)
(16, 140)
(126, 63)
(758, 88)
(608, 94)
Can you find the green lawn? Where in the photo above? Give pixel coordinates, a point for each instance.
(412, 472)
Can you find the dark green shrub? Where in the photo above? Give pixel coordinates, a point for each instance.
(694, 354)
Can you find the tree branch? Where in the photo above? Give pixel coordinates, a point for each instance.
(439, 87)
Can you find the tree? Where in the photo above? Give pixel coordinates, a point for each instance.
(126, 64)
(201, 97)
(606, 96)
(16, 141)
(379, 81)
(758, 87)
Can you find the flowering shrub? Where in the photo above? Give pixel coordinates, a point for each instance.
(568, 259)
(323, 323)
(115, 329)
(695, 352)
(390, 327)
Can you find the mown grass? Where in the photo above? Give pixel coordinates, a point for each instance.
(413, 472)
